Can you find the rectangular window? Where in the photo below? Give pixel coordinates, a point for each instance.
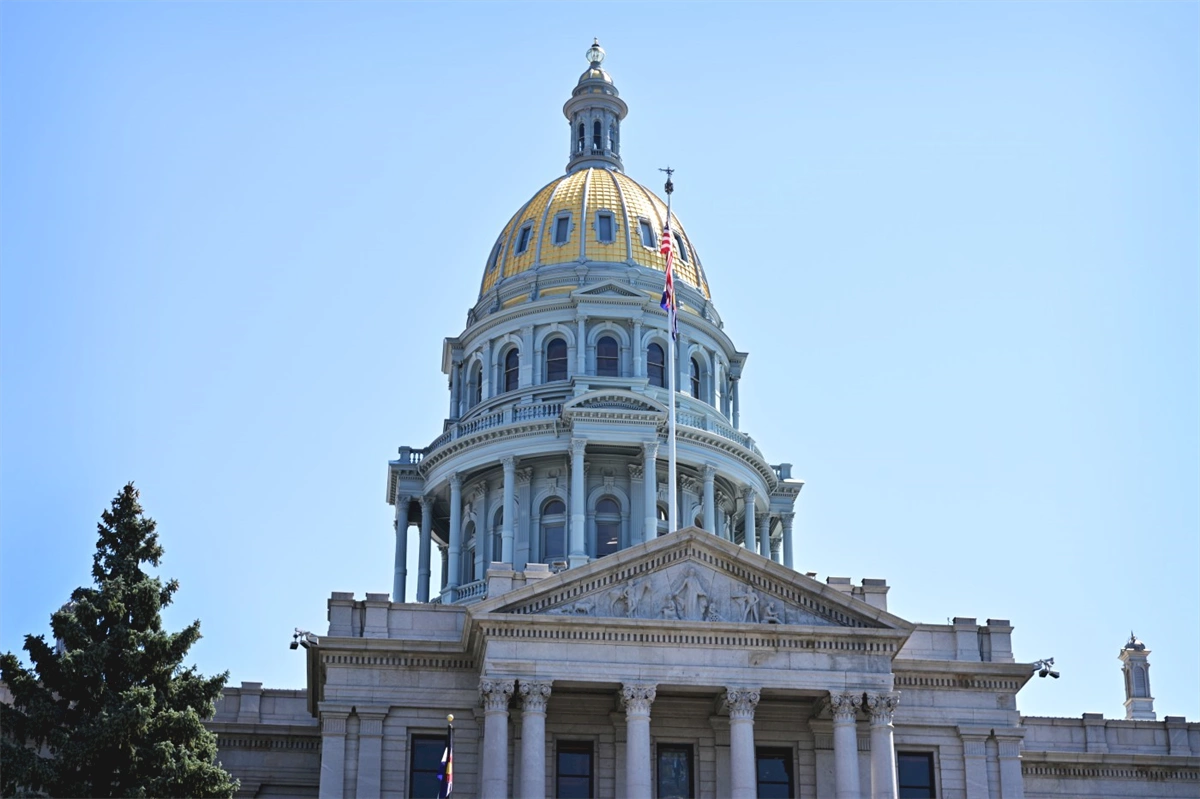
(562, 229)
(915, 775)
(424, 765)
(604, 227)
(523, 239)
(675, 771)
(573, 770)
(647, 234)
(774, 767)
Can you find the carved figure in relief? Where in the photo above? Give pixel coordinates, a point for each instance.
(691, 600)
(770, 616)
(749, 605)
(627, 598)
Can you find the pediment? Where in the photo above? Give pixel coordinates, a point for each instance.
(608, 289)
(691, 576)
(614, 400)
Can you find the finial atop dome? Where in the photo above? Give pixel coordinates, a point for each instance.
(1134, 644)
(595, 53)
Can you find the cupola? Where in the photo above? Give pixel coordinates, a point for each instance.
(595, 111)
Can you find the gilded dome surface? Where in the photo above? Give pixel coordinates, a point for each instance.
(591, 214)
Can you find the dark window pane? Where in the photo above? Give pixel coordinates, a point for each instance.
(608, 538)
(683, 253)
(562, 227)
(424, 766)
(607, 505)
(774, 773)
(604, 227)
(552, 541)
(607, 357)
(573, 770)
(523, 239)
(695, 378)
(512, 368)
(647, 234)
(556, 360)
(915, 774)
(656, 368)
(674, 772)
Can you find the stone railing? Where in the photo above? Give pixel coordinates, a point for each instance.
(475, 590)
(712, 425)
(510, 415)
(412, 457)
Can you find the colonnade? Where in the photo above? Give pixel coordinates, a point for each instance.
(756, 526)
(637, 699)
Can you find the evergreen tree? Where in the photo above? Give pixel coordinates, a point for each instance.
(110, 710)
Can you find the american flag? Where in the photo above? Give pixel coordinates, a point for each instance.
(668, 296)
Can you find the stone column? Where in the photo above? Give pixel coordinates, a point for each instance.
(974, 741)
(639, 354)
(455, 389)
(485, 374)
(788, 518)
(510, 508)
(400, 573)
(1012, 785)
(637, 698)
(424, 554)
(494, 771)
(578, 544)
(333, 754)
(650, 469)
(534, 696)
(845, 745)
(581, 345)
(748, 539)
(742, 762)
(764, 536)
(883, 753)
(370, 750)
(710, 513)
(525, 372)
(454, 566)
(444, 551)
(737, 421)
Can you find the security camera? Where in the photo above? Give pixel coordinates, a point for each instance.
(294, 644)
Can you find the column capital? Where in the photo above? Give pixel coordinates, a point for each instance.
(748, 493)
(455, 481)
(509, 463)
(787, 519)
(578, 446)
(844, 706)
(637, 697)
(710, 472)
(426, 502)
(636, 471)
(882, 706)
(741, 702)
(524, 476)
(688, 484)
(534, 696)
(496, 694)
(402, 498)
(650, 449)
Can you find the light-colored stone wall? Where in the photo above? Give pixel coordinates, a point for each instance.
(268, 740)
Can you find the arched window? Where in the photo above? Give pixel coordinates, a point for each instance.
(582, 138)
(468, 561)
(597, 135)
(663, 519)
(696, 379)
(497, 538)
(656, 365)
(512, 369)
(554, 531)
(608, 526)
(612, 139)
(476, 384)
(1139, 682)
(607, 356)
(556, 360)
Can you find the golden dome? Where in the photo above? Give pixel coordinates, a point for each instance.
(534, 238)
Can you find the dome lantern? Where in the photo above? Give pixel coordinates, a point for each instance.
(594, 112)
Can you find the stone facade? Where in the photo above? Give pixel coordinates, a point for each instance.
(582, 647)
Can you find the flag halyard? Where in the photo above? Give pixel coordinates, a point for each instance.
(446, 772)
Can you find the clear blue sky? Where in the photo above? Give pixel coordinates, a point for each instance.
(959, 242)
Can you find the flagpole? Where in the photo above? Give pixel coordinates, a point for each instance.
(672, 494)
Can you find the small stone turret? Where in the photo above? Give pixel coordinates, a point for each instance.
(1135, 660)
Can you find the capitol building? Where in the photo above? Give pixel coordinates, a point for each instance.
(584, 648)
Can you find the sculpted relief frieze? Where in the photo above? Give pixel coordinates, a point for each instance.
(687, 592)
